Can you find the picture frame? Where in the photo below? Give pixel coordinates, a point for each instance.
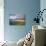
(17, 19)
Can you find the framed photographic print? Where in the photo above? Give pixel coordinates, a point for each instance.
(17, 20)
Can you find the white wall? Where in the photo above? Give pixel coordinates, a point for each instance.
(43, 6)
(1, 20)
